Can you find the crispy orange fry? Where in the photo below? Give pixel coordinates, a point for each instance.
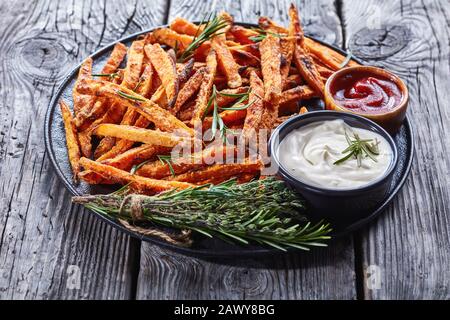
(268, 25)
(303, 110)
(189, 89)
(138, 134)
(223, 98)
(162, 119)
(302, 60)
(287, 51)
(292, 81)
(243, 35)
(226, 63)
(183, 26)
(117, 55)
(139, 183)
(217, 170)
(229, 117)
(255, 111)
(159, 170)
(201, 104)
(91, 113)
(73, 148)
(187, 112)
(165, 67)
(297, 93)
(245, 58)
(83, 103)
(270, 67)
(126, 160)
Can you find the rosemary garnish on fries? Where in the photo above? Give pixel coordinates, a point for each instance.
(262, 34)
(111, 76)
(217, 121)
(128, 96)
(212, 26)
(167, 160)
(358, 148)
(261, 211)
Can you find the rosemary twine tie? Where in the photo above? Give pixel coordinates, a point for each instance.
(137, 214)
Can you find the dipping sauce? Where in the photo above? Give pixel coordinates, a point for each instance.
(366, 92)
(309, 153)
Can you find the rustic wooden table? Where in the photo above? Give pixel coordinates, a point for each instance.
(51, 249)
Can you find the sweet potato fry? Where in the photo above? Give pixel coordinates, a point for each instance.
(138, 182)
(243, 35)
(287, 52)
(109, 147)
(229, 117)
(186, 113)
(189, 89)
(201, 104)
(302, 60)
(171, 38)
(126, 160)
(226, 63)
(117, 55)
(267, 24)
(303, 110)
(185, 71)
(255, 111)
(83, 102)
(297, 93)
(217, 170)
(163, 119)
(224, 98)
(270, 67)
(138, 134)
(165, 67)
(183, 26)
(73, 148)
(159, 170)
(292, 81)
(90, 113)
(245, 58)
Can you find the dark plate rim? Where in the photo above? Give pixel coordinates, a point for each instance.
(240, 251)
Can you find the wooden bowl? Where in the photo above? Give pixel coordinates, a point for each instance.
(390, 120)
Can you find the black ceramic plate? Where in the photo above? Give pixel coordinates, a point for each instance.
(56, 148)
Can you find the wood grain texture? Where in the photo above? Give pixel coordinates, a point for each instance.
(410, 243)
(41, 233)
(323, 274)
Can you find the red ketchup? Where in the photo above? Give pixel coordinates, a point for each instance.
(366, 92)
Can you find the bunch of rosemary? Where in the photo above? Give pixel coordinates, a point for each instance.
(262, 211)
(213, 24)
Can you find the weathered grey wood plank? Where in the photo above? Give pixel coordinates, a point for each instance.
(410, 243)
(323, 274)
(41, 233)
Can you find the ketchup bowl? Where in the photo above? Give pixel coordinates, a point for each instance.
(335, 205)
(370, 92)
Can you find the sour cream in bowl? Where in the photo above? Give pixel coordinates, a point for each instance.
(342, 164)
(314, 154)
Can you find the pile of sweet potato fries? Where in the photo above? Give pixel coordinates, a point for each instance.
(215, 75)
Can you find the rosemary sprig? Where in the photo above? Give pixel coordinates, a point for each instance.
(217, 121)
(261, 211)
(358, 148)
(212, 26)
(136, 167)
(128, 96)
(167, 160)
(262, 34)
(111, 76)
